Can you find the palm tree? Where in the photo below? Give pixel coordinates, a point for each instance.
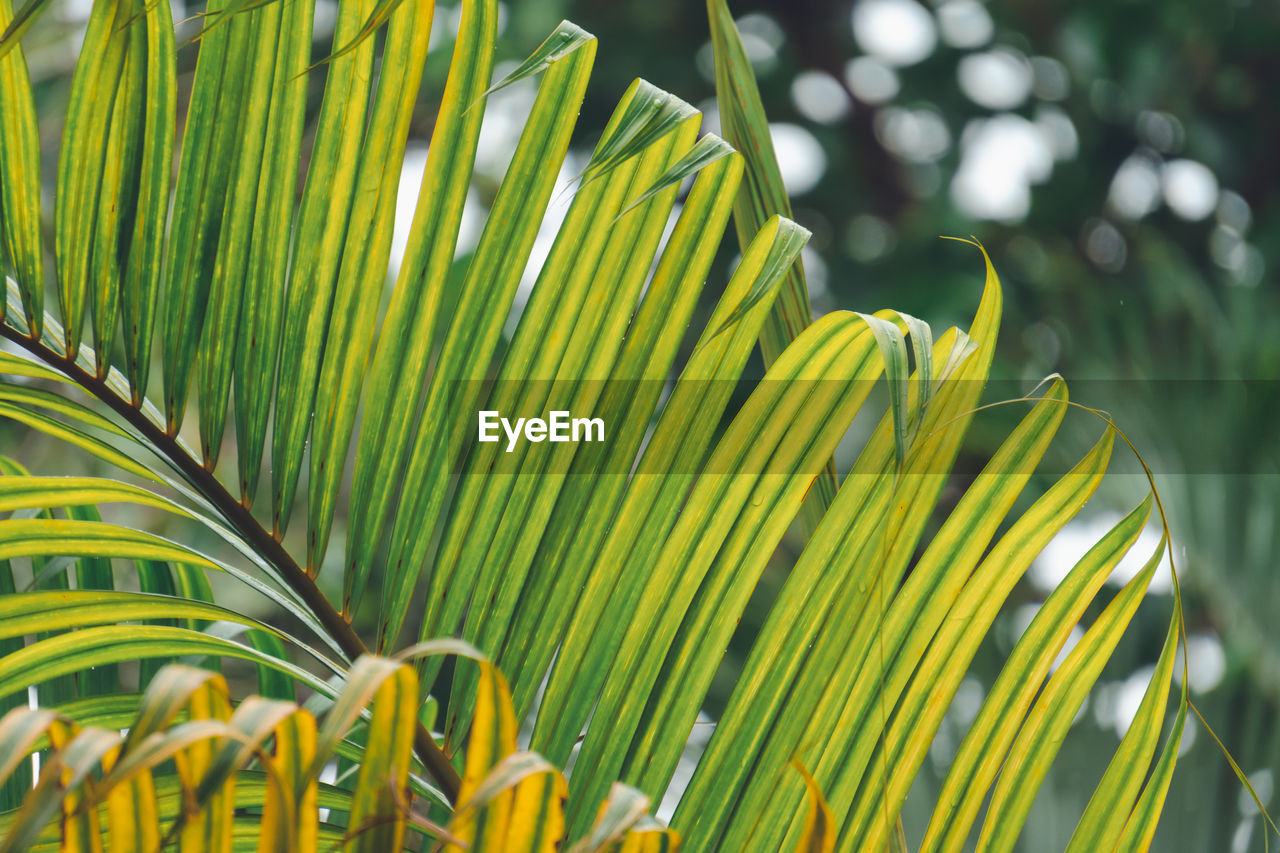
(605, 580)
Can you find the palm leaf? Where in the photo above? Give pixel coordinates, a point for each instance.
(548, 597)
(614, 573)
(547, 370)
(403, 351)
(262, 296)
(761, 196)
(185, 716)
(473, 337)
(20, 174)
(319, 234)
(364, 263)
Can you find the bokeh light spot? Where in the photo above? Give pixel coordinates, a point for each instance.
(1135, 189)
(1051, 81)
(1059, 132)
(998, 79)
(1105, 246)
(869, 238)
(1003, 156)
(819, 97)
(800, 157)
(1190, 189)
(900, 32)
(871, 80)
(1206, 663)
(1161, 131)
(964, 23)
(917, 136)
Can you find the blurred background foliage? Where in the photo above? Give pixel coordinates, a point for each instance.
(1118, 158)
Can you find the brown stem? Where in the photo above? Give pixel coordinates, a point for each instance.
(239, 517)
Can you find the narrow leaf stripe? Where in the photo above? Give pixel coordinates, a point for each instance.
(91, 444)
(468, 347)
(1046, 726)
(94, 646)
(222, 335)
(116, 197)
(140, 288)
(762, 194)
(1141, 827)
(133, 813)
(58, 610)
(363, 273)
(266, 275)
(45, 492)
(566, 344)
(579, 520)
(52, 402)
(1104, 819)
(17, 365)
(382, 783)
(980, 755)
(209, 142)
(289, 811)
(408, 334)
(956, 642)
(52, 537)
(20, 173)
(680, 442)
(318, 238)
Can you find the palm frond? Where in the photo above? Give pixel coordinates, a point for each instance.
(606, 579)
